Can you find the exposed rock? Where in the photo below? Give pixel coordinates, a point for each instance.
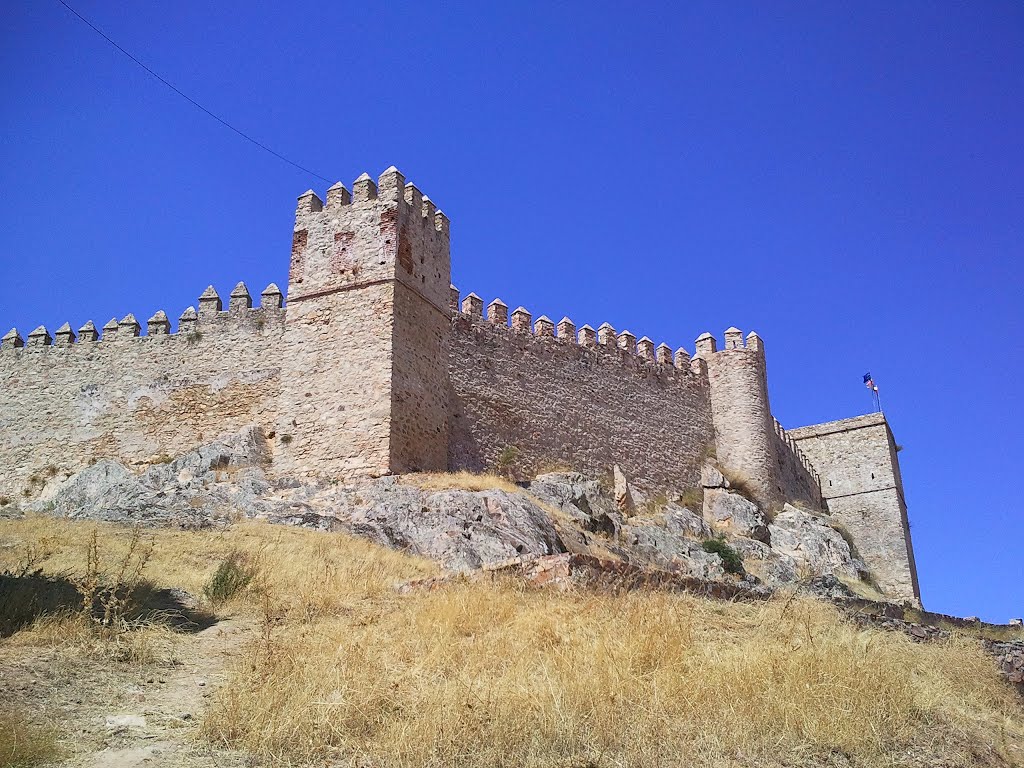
(813, 544)
(711, 477)
(827, 586)
(579, 498)
(461, 529)
(623, 492)
(662, 547)
(729, 512)
(764, 562)
(184, 492)
(682, 521)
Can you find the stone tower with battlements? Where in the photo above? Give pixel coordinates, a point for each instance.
(366, 324)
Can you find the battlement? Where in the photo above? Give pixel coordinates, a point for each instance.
(707, 344)
(620, 345)
(240, 314)
(383, 230)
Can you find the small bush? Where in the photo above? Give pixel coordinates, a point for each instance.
(4, 501)
(506, 461)
(235, 573)
(107, 592)
(286, 439)
(730, 557)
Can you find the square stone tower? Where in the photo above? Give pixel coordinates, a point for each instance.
(364, 385)
(862, 488)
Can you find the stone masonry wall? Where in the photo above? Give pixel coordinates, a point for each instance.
(135, 398)
(546, 401)
(798, 481)
(861, 484)
(367, 317)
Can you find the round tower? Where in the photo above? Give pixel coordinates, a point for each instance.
(742, 418)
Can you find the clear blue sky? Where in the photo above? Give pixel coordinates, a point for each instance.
(845, 178)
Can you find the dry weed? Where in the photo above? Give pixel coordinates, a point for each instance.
(490, 673)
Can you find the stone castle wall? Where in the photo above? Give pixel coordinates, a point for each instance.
(375, 366)
(797, 478)
(526, 400)
(863, 490)
(136, 398)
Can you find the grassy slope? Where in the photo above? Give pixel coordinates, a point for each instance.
(494, 674)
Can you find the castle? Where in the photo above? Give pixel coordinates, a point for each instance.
(376, 365)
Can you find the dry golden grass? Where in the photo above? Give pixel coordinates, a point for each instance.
(490, 673)
(296, 559)
(495, 675)
(24, 744)
(463, 481)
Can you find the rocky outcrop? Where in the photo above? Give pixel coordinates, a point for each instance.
(813, 544)
(731, 513)
(220, 481)
(560, 512)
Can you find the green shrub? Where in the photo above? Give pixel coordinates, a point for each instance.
(506, 461)
(235, 573)
(730, 557)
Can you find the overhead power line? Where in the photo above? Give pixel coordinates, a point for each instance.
(188, 98)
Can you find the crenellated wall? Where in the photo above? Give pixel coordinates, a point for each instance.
(534, 395)
(798, 480)
(376, 365)
(69, 399)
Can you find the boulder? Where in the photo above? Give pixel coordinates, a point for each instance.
(711, 477)
(656, 545)
(680, 520)
(579, 498)
(461, 529)
(216, 481)
(623, 492)
(815, 546)
(771, 567)
(731, 513)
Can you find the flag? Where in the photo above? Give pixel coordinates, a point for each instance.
(870, 383)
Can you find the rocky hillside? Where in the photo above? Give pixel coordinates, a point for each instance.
(467, 522)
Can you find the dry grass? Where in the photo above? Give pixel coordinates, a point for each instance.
(23, 744)
(490, 673)
(463, 481)
(495, 675)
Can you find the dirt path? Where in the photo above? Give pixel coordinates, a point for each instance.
(122, 716)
